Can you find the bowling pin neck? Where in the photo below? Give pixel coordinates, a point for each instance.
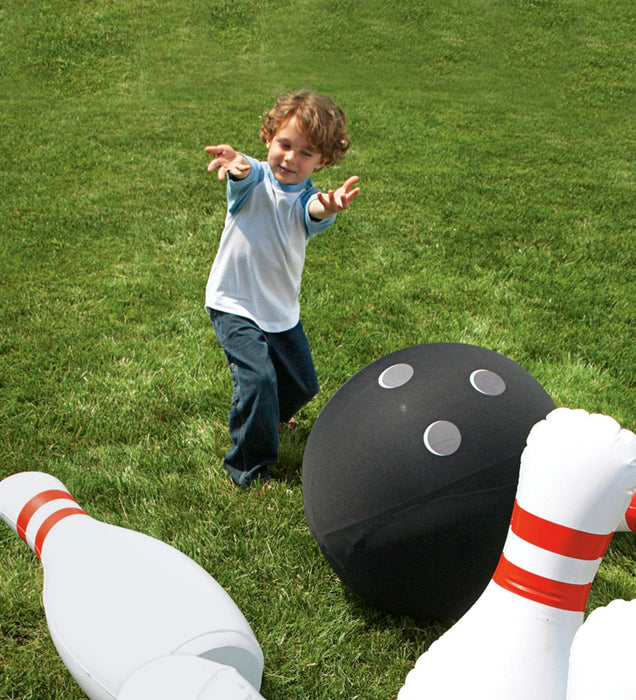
(551, 592)
(32, 504)
(576, 477)
(556, 538)
(549, 563)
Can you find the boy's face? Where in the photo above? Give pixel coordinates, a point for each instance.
(291, 156)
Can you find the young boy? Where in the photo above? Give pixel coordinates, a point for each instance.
(252, 292)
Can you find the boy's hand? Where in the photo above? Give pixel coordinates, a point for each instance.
(227, 160)
(327, 205)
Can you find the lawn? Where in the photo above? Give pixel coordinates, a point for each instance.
(494, 145)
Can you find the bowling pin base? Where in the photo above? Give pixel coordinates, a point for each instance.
(133, 599)
(187, 678)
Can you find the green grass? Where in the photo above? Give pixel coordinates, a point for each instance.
(494, 145)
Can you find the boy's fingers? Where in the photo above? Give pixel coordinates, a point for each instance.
(329, 199)
(214, 163)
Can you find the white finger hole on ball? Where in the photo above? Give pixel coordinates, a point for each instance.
(442, 438)
(488, 383)
(396, 376)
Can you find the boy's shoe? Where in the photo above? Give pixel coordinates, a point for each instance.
(265, 476)
(290, 425)
(262, 481)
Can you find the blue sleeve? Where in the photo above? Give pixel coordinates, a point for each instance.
(312, 226)
(239, 190)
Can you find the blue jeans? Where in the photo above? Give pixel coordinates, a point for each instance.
(273, 376)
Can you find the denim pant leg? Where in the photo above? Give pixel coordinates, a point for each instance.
(295, 372)
(254, 415)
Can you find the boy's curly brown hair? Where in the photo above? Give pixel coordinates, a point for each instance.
(319, 118)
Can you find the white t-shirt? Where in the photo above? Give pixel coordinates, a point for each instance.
(259, 263)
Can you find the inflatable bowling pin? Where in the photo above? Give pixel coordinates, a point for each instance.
(116, 599)
(602, 654)
(179, 677)
(576, 478)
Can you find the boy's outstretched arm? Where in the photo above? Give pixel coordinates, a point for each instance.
(227, 160)
(327, 205)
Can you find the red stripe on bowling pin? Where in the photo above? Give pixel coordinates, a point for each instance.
(630, 514)
(32, 506)
(556, 594)
(558, 539)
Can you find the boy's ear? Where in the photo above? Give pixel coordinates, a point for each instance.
(321, 164)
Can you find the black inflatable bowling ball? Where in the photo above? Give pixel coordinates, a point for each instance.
(410, 474)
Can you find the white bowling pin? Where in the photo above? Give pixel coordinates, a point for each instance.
(179, 677)
(576, 478)
(115, 599)
(602, 654)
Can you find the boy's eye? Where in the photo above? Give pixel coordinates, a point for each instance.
(286, 146)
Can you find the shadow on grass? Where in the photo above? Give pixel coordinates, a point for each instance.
(422, 633)
(290, 459)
